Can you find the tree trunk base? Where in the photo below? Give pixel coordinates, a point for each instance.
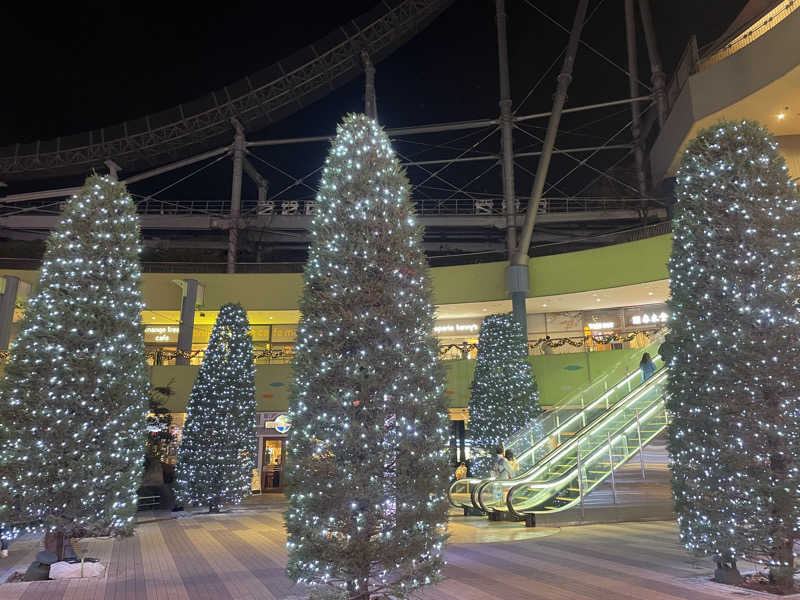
(727, 574)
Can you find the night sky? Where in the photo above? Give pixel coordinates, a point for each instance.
(78, 66)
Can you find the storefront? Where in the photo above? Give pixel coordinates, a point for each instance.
(272, 344)
(272, 432)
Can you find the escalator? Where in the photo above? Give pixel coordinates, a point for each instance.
(567, 474)
(552, 429)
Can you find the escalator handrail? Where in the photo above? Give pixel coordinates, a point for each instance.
(599, 450)
(598, 422)
(477, 482)
(571, 399)
(590, 406)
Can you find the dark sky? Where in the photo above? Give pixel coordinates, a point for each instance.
(74, 66)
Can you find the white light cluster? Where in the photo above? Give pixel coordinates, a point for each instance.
(216, 457)
(367, 457)
(74, 396)
(734, 395)
(504, 396)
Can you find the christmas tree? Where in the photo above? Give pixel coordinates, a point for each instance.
(74, 396)
(368, 446)
(217, 453)
(504, 396)
(733, 380)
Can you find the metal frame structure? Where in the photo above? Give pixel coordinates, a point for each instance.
(457, 217)
(264, 97)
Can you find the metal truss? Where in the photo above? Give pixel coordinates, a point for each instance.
(262, 98)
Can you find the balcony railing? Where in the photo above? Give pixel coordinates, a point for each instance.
(537, 346)
(752, 33)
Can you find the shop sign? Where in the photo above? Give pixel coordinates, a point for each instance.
(278, 422)
(601, 325)
(456, 328)
(161, 333)
(284, 333)
(648, 319)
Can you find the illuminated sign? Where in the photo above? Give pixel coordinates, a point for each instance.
(161, 333)
(457, 328)
(281, 424)
(651, 318)
(603, 325)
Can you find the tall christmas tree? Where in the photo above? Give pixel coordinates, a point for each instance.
(734, 377)
(368, 446)
(504, 396)
(217, 453)
(74, 396)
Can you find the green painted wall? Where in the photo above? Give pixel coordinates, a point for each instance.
(601, 268)
(557, 375)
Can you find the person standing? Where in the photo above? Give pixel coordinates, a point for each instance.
(500, 468)
(647, 367)
(546, 348)
(512, 463)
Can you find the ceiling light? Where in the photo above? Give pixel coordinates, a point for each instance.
(153, 318)
(649, 293)
(598, 300)
(781, 116)
(544, 305)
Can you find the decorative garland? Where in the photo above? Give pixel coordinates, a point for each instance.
(575, 342)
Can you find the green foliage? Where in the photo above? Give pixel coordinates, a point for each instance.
(74, 395)
(216, 457)
(158, 435)
(367, 449)
(504, 396)
(733, 379)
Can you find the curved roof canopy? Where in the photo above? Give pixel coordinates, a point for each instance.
(264, 97)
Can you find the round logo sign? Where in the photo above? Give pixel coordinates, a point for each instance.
(282, 424)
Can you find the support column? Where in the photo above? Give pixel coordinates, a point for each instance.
(462, 441)
(8, 301)
(506, 130)
(186, 326)
(517, 274)
(657, 76)
(518, 284)
(633, 83)
(236, 195)
(370, 98)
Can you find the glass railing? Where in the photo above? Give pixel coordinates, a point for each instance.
(552, 429)
(565, 476)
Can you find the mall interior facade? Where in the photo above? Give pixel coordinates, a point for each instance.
(588, 311)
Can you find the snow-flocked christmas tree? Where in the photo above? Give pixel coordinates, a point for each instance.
(368, 447)
(734, 378)
(217, 452)
(74, 396)
(504, 396)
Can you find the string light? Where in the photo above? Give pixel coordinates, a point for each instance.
(504, 396)
(216, 455)
(367, 456)
(74, 397)
(734, 437)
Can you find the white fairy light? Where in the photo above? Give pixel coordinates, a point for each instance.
(734, 397)
(367, 458)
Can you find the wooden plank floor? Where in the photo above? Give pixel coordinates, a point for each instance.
(241, 555)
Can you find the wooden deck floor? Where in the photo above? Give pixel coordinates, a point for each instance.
(241, 555)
